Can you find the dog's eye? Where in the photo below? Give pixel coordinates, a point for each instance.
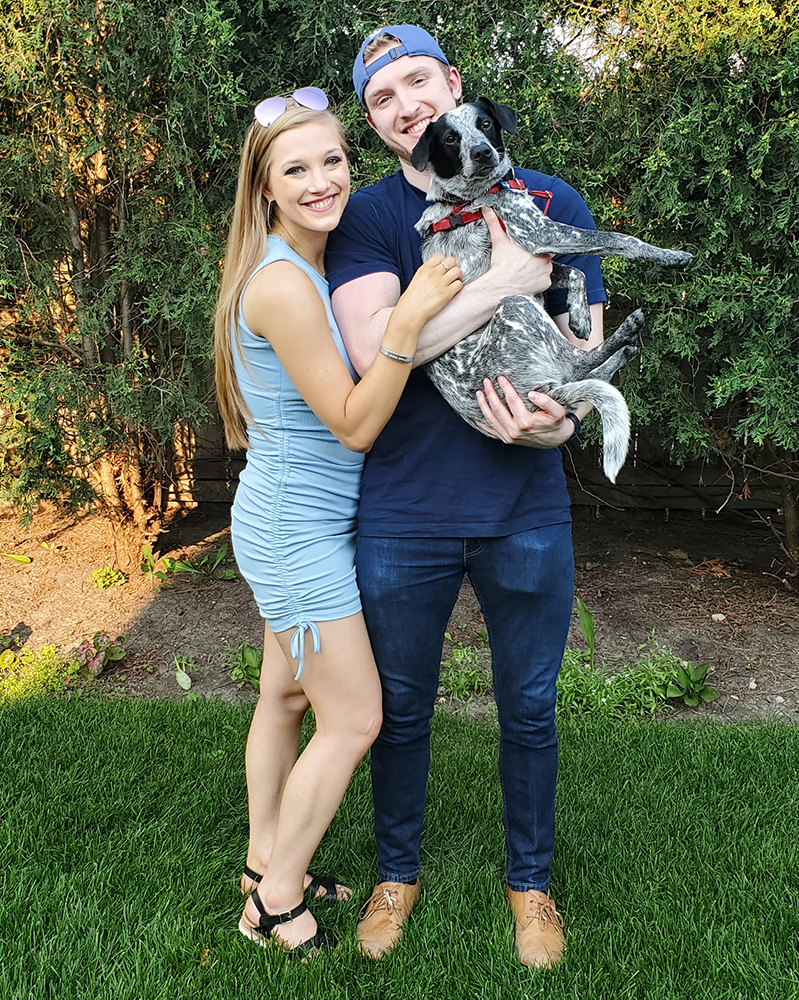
(450, 137)
(484, 125)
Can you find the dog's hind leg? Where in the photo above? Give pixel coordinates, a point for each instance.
(608, 369)
(573, 280)
(585, 363)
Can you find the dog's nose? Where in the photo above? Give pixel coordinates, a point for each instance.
(482, 153)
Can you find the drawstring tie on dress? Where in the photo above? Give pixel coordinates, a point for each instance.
(298, 643)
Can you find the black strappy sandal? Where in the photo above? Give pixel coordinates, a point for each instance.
(262, 933)
(317, 882)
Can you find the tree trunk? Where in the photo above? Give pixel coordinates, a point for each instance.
(79, 278)
(790, 508)
(134, 491)
(111, 496)
(127, 540)
(125, 297)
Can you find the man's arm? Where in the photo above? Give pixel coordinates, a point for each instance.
(362, 306)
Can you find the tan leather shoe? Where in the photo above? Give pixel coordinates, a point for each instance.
(539, 928)
(383, 915)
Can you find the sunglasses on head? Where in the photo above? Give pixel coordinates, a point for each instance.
(272, 108)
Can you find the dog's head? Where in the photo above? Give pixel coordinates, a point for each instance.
(463, 150)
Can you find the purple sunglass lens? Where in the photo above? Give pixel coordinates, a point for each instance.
(311, 97)
(270, 109)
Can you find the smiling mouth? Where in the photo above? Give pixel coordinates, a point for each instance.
(321, 204)
(418, 127)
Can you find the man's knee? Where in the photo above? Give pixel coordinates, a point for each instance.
(529, 720)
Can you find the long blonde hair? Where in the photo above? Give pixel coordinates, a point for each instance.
(253, 217)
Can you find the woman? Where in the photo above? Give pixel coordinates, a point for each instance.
(287, 393)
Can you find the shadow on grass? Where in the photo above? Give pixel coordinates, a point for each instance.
(123, 829)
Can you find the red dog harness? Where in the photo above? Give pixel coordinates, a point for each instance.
(457, 217)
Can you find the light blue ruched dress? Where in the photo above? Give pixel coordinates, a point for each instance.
(293, 518)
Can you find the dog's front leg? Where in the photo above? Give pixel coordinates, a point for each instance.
(573, 280)
(538, 234)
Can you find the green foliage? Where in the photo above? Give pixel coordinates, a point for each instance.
(30, 673)
(106, 577)
(246, 663)
(207, 567)
(110, 137)
(464, 674)
(97, 653)
(632, 690)
(697, 147)
(147, 565)
(688, 682)
(8, 642)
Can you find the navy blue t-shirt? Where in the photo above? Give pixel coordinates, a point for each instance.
(430, 474)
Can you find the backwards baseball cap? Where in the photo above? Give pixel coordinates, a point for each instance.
(414, 41)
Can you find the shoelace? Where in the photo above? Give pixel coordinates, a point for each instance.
(383, 900)
(543, 912)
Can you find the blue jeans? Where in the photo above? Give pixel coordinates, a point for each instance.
(524, 583)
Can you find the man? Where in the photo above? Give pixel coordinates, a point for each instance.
(440, 499)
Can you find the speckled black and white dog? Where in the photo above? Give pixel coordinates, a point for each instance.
(463, 151)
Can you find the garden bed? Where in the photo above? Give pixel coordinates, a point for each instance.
(710, 590)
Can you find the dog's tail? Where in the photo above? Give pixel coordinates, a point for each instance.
(615, 416)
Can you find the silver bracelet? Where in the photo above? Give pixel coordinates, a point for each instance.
(396, 357)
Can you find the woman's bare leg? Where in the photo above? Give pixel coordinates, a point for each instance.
(273, 744)
(342, 685)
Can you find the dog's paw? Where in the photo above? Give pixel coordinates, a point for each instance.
(677, 258)
(580, 324)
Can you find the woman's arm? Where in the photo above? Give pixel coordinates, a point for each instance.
(363, 306)
(282, 305)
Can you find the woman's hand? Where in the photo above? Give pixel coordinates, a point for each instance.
(436, 282)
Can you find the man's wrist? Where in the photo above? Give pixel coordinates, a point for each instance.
(575, 420)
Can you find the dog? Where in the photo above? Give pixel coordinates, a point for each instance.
(464, 152)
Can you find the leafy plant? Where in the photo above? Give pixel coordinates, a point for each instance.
(106, 577)
(688, 683)
(463, 675)
(207, 567)
(97, 653)
(22, 560)
(587, 628)
(246, 662)
(182, 666)
(632, 690)
(8, 642)
(148, 564)
(29, 672)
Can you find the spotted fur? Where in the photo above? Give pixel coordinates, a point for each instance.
(463, 151)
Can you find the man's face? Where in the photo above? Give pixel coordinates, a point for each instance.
(404, 96)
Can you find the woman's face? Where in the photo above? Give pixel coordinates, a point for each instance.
(309, 178)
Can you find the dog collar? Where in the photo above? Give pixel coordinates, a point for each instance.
(457, 217)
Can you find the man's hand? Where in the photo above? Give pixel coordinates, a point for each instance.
(513, 423)
(515, 271)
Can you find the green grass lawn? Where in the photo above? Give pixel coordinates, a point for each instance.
(123, 830)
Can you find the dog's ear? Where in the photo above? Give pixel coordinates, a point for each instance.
(420, 154)
(503, 114)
